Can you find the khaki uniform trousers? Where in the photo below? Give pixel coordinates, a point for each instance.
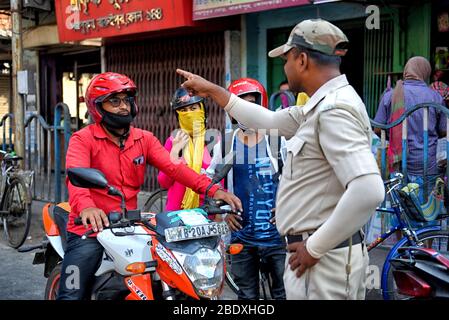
(327, 279)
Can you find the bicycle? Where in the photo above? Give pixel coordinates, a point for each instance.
(15, 203)
(411, 238)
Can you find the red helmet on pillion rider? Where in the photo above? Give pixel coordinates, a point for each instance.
(101, 88)
(244, 86)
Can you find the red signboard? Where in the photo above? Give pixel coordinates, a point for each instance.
(84, 19)
(204, 9)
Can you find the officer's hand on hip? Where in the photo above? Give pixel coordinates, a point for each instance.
(300, 258)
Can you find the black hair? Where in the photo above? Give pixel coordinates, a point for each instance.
(283, 82)
(320, 59)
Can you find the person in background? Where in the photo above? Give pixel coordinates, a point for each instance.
(285, 103)
(440, 85)
(187, 146)
(410, 91)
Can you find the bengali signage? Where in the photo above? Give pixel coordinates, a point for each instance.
(84, 19)
(204, 9)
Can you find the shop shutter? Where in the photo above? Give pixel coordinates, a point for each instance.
(152, 65)
(378, 63)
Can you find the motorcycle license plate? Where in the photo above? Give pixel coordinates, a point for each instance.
(196, 232)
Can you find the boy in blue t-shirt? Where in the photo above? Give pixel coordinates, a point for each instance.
(254, 179)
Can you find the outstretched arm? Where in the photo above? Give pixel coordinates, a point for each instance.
(247, 113)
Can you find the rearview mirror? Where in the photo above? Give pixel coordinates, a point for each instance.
(87, 178)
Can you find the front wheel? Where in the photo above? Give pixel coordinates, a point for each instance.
(52, 287)
(437, 240)
(17, 204)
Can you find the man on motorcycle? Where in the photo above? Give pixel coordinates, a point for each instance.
(121, 151)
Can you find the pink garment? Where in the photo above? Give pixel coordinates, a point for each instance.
(175, 189)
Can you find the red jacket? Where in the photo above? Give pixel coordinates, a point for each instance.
(124, 169)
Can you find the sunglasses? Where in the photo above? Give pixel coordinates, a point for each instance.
(117, 101)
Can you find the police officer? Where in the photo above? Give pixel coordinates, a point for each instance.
(330, 184)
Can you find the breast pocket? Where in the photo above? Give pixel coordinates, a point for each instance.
(295, 148)
(134, 170)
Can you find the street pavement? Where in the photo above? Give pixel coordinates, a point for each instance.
(21, 280)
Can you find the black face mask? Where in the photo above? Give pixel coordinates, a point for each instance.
(113, 121)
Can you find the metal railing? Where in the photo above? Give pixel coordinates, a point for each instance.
(43, 154)
(273, 102)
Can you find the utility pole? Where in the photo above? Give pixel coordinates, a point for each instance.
(17, 65)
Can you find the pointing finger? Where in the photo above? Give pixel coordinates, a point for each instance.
(184, 73)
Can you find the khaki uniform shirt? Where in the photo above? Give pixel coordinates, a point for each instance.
(329, 145)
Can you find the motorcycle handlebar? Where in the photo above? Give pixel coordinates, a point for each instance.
(113, 217)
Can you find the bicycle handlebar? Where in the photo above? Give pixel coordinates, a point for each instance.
(397, 178)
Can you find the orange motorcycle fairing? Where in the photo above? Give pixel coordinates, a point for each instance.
(50, 226)
(51, 229)
(140, 287)
(176, 279)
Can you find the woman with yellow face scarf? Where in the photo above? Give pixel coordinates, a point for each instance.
(190, 139)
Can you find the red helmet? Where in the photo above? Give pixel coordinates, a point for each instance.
(104, 85)
(243, 86)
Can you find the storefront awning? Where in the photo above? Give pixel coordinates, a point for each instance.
(205, 9)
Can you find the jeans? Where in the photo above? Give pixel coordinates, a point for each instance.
(245, 268)
(81, 259)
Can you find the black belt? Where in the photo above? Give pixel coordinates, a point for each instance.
(356, 238)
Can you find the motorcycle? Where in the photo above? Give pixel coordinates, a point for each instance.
(421, 273)
(147, 256)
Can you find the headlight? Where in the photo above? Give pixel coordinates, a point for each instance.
(205, 269)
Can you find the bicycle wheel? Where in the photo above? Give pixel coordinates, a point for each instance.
(437, 239)
(156, 201)
(16, 222)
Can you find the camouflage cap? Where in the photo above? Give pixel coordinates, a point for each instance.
(316, 34)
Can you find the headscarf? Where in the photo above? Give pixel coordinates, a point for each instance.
(417, 68)
(193, 122)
